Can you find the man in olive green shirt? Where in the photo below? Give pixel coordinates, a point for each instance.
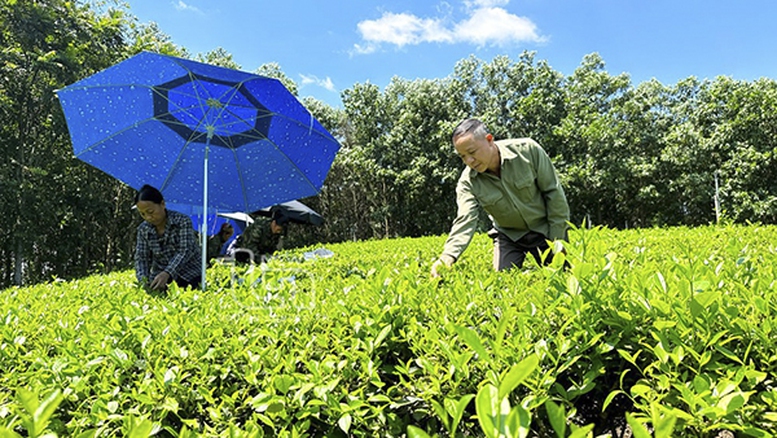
(517, 185)
(263, 236)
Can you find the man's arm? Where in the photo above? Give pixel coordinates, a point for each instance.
(553, 193)
(464, 227)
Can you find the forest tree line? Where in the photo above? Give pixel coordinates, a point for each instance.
(629, 155)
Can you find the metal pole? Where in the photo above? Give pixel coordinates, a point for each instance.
(717, 199)
(204, 232)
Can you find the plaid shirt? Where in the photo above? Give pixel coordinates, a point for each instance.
(175, 252)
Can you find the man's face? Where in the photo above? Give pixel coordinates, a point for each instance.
(477, 154)
(275, 228)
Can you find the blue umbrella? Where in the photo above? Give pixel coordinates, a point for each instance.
(207, 137)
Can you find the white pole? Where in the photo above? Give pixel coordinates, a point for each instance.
(717, 199)
(204, 232)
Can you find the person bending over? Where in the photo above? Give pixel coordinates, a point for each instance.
(216, 242)
(515, 182)
(166, 249)
(264, 236)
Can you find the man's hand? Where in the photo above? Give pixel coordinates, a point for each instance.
(444, 260)
(160, 281)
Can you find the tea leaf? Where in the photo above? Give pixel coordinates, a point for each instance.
(558, 418)
(581, 432)
(517, 423)
(491, 410)
(345, 423)
(442, 413)
(471, 338)
(517, 374)
(415, 432)
(456, 410)
(638, 430)
(663, 425)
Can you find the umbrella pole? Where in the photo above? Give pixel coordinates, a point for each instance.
(204, 232)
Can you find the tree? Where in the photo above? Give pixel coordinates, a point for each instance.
(47, 45)
(219, 57)
(588, 144)
(728, 127)
(520, 98)
(148, 37)
(273, 70)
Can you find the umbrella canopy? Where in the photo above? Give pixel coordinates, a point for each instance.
(207, 137)
(242, 219)
(295, 211)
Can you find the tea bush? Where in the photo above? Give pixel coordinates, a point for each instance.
(669, 332)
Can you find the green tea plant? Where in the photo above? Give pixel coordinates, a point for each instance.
(659, 332)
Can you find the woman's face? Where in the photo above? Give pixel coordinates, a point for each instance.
(152, 212)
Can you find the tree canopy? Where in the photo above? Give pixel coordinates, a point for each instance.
(629, 155)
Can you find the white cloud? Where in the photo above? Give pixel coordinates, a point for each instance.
(403, 29)
(366, 49)
(182, 6)
(496, 26)
(475, 4)
(327, 83)
(486, 24)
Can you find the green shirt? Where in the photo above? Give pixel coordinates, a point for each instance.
(214, 245)
(527, 196)
(259, 238)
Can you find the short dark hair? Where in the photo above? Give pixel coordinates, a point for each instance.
(473, 125)
(149, 193)
(279, 216)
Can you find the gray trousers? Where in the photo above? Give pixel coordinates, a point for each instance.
(509, 253)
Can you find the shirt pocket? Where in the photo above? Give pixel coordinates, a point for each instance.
(495, 203)
(525, 190)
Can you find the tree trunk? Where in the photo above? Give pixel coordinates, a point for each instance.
(18, 263)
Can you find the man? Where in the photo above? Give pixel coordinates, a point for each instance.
(517, 185)
(263, 236)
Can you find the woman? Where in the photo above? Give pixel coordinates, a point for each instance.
(166, 248)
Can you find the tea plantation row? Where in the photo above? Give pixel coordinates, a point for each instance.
(661, 332)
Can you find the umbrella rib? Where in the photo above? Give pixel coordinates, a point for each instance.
(188, 141)
(234, 90)
(198, 97)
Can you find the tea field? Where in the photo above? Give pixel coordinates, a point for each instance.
(647, 333)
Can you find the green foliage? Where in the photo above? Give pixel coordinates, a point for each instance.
(638, 155)
(666, 332)
(54, 210)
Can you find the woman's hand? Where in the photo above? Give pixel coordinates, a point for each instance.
(160, 281)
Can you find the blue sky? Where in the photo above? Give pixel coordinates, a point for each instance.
(328, 46)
